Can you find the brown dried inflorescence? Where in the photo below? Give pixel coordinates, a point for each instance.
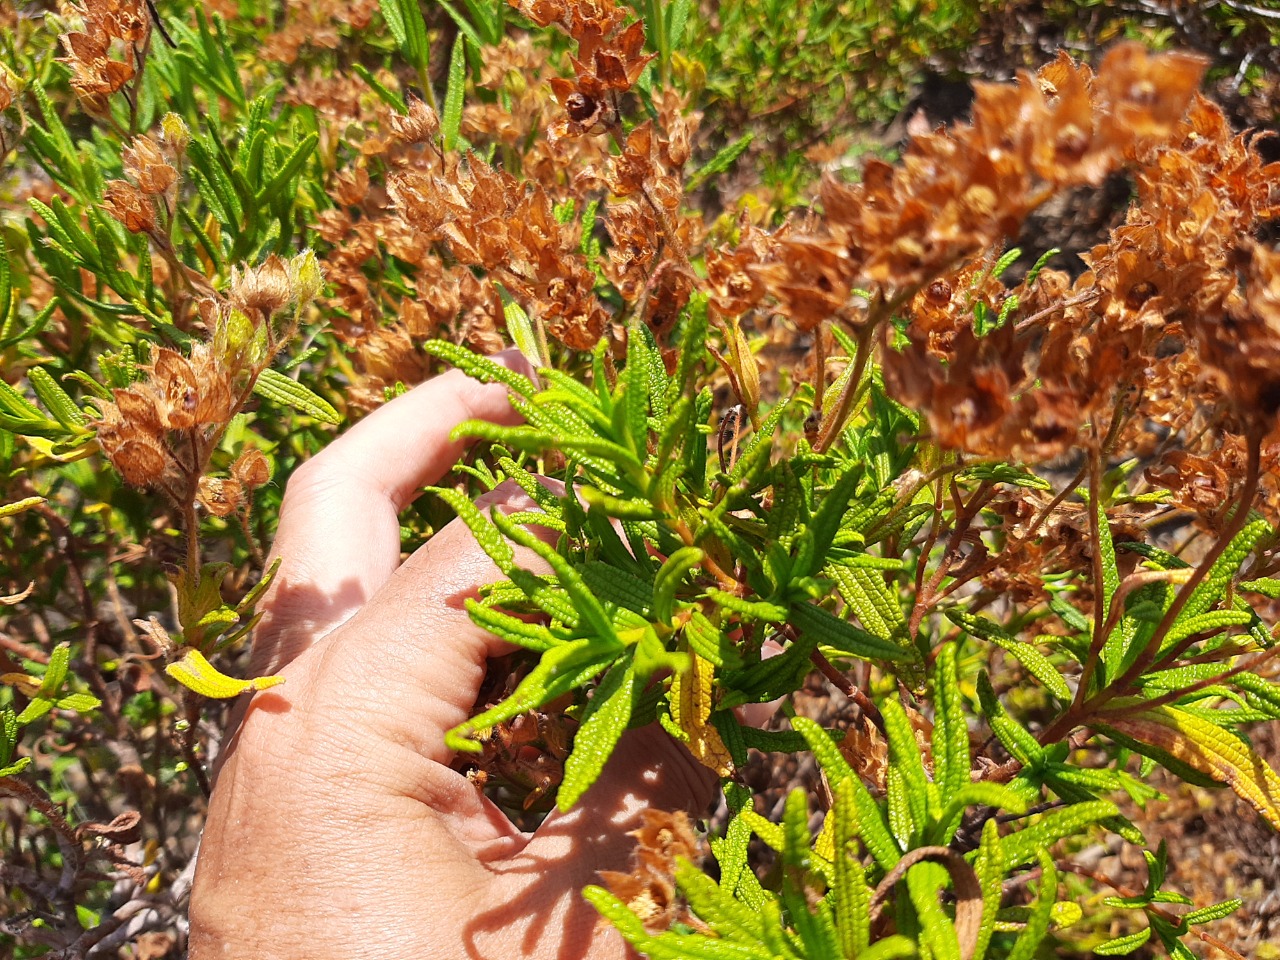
(489, 219)
(108, 25)
(609, 60)
(1127, 342)
(142, 430)
(649, 890)
(161, 432)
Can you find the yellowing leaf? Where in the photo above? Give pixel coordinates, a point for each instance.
(16, 598)
(9, 509)
(196, 673)
(690, 701)
(1211, 750)
(29, 686)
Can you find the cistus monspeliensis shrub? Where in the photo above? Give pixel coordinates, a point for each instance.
(1022, 524)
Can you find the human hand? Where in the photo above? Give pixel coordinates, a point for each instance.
(336, 827)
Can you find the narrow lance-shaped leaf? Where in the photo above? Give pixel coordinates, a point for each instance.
(277, 387)
(514, 630)
(603, 723)
(55, 674)
(716, 907)
(1123, 946)
(562, 668)
(584, 600)
(951, 758)
(905, 758)
(1208, 748)
(1012, 735)
(1042, 913)
(1022, 847)
(57, 400)
(1226, 567)
(871, 825)
(821, 625)
(451, 121)
(668, 579)
(488, 536)
(851, 891)
(923, 882)
(722, 161)
(990, 868)
(1036, 663)
(479, 368)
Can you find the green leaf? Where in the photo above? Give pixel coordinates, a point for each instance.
(404, 20)
(8, 734)
(895, 947)
(56, 400)
(678, 16)
(905, 757)
(1012, 735)
(55, 674)
(871, 826)
(584, 601)
(385, 94)
(275, 386)
(1023, 846)
(850, 890)
(478, 367)
(1034, 273)
(488, 536)
(952, 762)
(1227, 566)
(562, 668)
(1036, 663)
(721, 162)
(79, 702)
(276, 186)
(1042, 914)
(521, 633)
(603, 723)
(924, 880)
(990, 868)
(13, 769)
(817, 623)
(34, 710)
(6, 290)
(1004, 473)
(451, 120)
(1215, 912)
(522, 332)
(871, 599)
(1123, 946)
(752, 609)
(668, 579)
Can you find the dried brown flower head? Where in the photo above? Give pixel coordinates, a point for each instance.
(146, 164)
(649, 890)
(133, 208)
(609, 61)
(221, 496)
(262, 290)
(419, 125)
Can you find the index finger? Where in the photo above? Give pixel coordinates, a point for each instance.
(339, 533)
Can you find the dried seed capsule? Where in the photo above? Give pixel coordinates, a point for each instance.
(580, 107)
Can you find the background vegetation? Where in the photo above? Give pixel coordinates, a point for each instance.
(1043, 489)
